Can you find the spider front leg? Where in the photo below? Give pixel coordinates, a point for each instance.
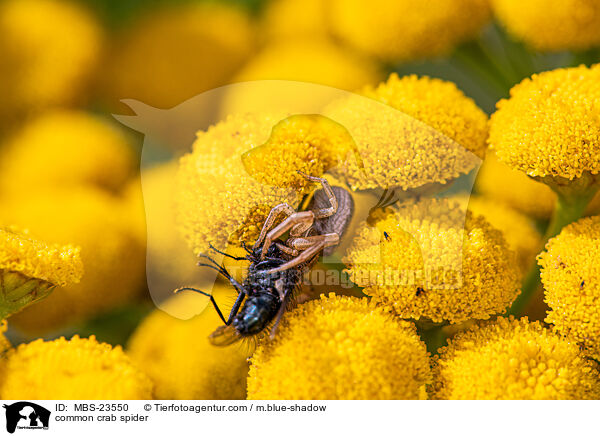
(273, 214)
(311, 245)
(327, 211)
(297, 223)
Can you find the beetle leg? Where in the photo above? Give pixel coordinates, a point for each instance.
(284, 302)
(234, 309)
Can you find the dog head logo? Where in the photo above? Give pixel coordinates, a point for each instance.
(26, 415)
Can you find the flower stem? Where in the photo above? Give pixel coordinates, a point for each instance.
(568, 209)
(434, 338)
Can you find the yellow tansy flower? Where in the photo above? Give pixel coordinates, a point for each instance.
(317, 61)
(549, 125)
(571, 278)
(48, 50)
(431, 259)
(76, 369)
(216, 199)
(403, 30)
(113, 257)
(310, 143)
(181, 361)
(552, 25)
(426, 131)
(30, 269)
(294, 19)
(340, 348)
(188, 49)
(4, 343)
(513, 360)
(519, 230)
(66, 148)
(499, 182)
(170, 263)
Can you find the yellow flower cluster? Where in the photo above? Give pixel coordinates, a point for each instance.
(188, 48)
(340, 348)
(515, 188)
(426, 131)
(432, 259)
(549, 125)
(59, 265)
(48, 50)
(113, 258)
(169, 261)
(302, 19)
(513, 360)
(571, 278)
(317, 61)
(181, 361)
(310, 143)
(64, 148)
(5, 344)
(403, 30)
(217, 201)
(518, 229)
(552, 25)
(76, 369)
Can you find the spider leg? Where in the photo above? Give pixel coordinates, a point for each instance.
(286, 249)
(297, 223)
(273, 214)
(314, 245)
(326, 212)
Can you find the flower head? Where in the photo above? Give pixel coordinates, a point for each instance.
(66, 148)
(514, 188)
(49, 48)
(410, 132)
(309, 143)
(181, 361)
(216, 199)
(4, 343)
(294, 19)
(513, 360)
(189, 49)
(75, 369)
(316, 61)
(549, 125)
(30, 269)
(403, 30)
(431, 259)
(571, 278)
(113, 257)
(552, 25)
(340, 348)
(59, 265)
(519, 230)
